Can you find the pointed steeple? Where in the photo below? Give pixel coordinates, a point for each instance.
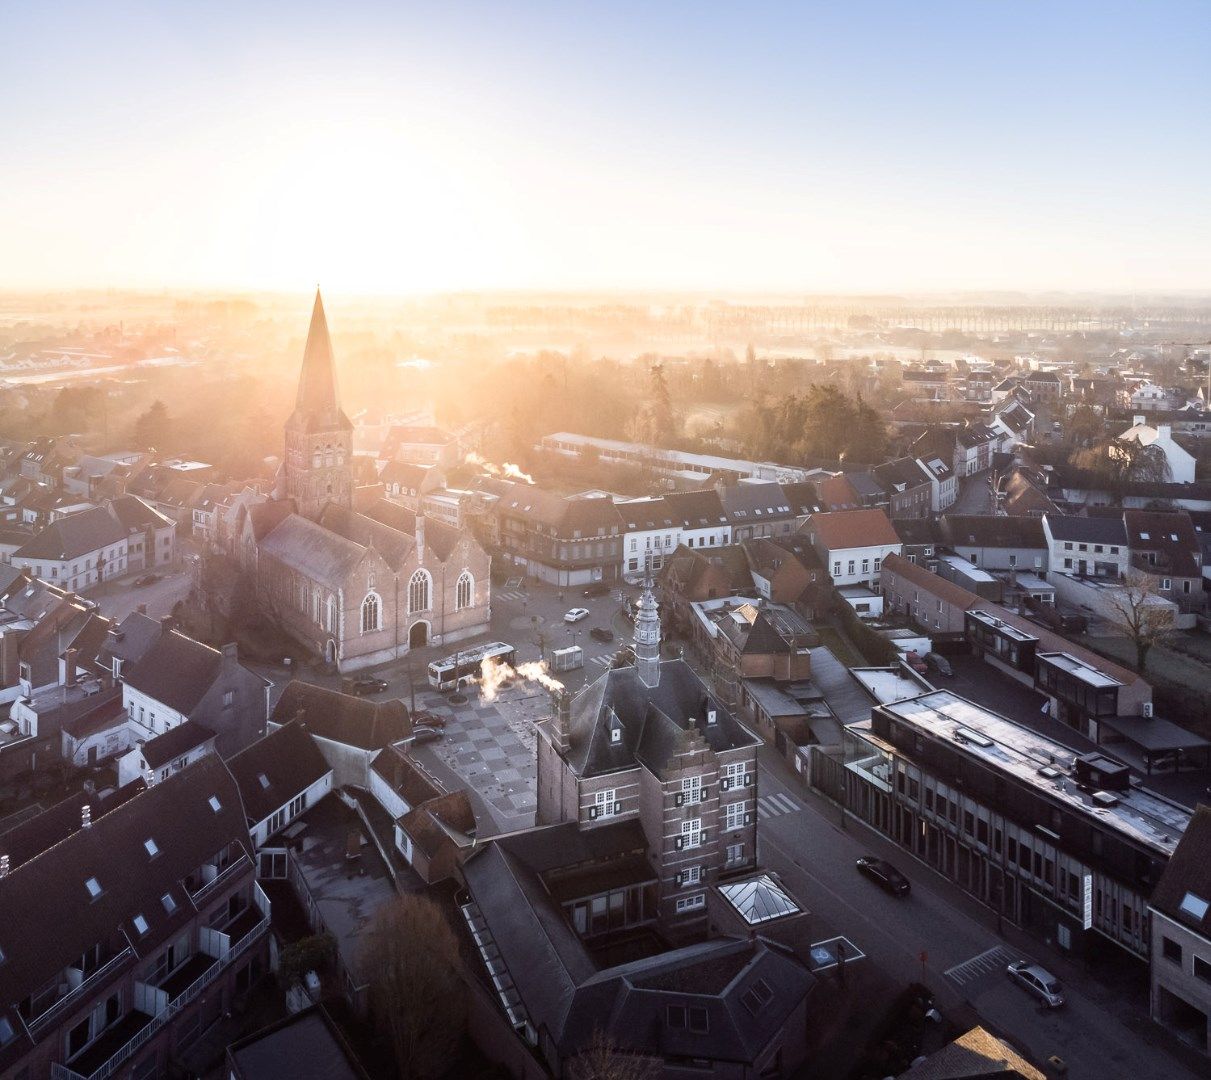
(318, 406)
(647, 633)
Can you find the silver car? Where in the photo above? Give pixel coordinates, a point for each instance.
(1039, 981)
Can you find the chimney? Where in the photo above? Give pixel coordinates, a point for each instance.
(142, 609)
(86, 816)
(420, 537)
(168, 624)
(561, 729)
(3, 866)
(70, 657)
(230, 651)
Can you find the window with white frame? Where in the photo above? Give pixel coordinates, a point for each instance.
(418, 592)
(691, 789)
(691, 903)
(733, 816)
(691, 833)
(371, 614)
(733, 775)
(735, 854)
(464, 591)
(691, 875)
(605, 804)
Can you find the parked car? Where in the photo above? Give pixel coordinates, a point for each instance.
(363, 685)
(147, 579)
(883, 874)
(426, 734)
(598, 588)
(913, 659)
(424, 718)
(576, 614)
(939, 663)
(1038, 981)
(601, 633)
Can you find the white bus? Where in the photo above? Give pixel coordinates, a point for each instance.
(463, 666)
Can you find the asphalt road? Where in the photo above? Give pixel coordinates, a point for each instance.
(1101, 1032)
(117, 599)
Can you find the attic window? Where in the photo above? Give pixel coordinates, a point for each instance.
(1145, 536)
(170, 905)
(615, 735)
(215, 805)
(1194, 906)
(263, 779)
(1173, 537)
(93, 886)
(140, 924)
(151, 847)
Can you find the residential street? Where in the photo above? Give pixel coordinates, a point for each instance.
(975, 494)
(1102, 1032)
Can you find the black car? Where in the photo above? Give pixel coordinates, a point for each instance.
(883, 874)
(598, 588)
(364, 685)
(146, 579)
(601, 633)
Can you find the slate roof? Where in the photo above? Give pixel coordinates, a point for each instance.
(902, 474)
(264, 517)
(134, 514)
(176, 671)
(405, 473)
(132, 637)
(937, 586)
(747, 503)
(1170, 538)
(962, 530)
(43, 831)
(74, 536)
(49, 918)
(404, 777)
(714, 975)
(851, 529)
(803, 498)
(440, 538)
(313, 550)
(1188, 872)
(1087, 530)
(354, 721)
(317, 406)
(440, 822)
(655, 721)
(365, 531)
(176, 741)
(276, 768)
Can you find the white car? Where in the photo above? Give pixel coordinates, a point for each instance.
(576, 614)
(1038, 980)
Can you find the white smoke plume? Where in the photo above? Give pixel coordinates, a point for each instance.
(509, 470)
(493, 675)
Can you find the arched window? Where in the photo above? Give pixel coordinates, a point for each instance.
(464, 591)
(331, 614)
(371, 613)
(418, 592)
(317, 459)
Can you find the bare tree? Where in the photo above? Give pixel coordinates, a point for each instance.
(1136, 611)
(416, 993)
(603, 1059)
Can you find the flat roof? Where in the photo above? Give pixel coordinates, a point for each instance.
(889, 684)
(1000, 625)
(967, 569)
(1010, 748)
(1079, 669)
(1154, 733)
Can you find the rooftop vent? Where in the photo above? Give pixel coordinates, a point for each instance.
(1105, 799)
(966, 735)
(1050, 772)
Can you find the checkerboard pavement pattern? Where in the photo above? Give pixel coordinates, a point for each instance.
(491, 746)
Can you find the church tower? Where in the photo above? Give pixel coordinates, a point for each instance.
(319, 436)
(647, 634)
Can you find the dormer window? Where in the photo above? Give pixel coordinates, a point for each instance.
(615, 735)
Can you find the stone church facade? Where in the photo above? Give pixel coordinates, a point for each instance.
(357, 587)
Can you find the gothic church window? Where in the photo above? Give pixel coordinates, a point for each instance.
(464, 591)
(371, 614)
(418, 592)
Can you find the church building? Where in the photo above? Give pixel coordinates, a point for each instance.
(357, 586)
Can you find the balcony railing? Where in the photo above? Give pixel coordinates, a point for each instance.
(38, 1025)
(189, 994)
(222, 877)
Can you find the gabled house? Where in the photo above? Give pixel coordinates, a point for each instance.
(1086, 546)
(279, 777)
(852, 544)
(907, 487)
(1166, 547)
(1180, 463)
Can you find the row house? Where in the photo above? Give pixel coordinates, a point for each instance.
(126, 936)
(653, 528)
(907, 488)
(852, 544)
(1166, 547)
(757, 509)
(1086, 546)
(943, 484)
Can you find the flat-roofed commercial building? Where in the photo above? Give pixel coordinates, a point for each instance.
(1061, 842)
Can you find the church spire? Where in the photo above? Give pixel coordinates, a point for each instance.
(647, 632)
(318, 406)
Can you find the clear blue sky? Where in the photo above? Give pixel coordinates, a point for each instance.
(403, 146)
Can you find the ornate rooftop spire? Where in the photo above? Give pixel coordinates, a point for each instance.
(647, 632)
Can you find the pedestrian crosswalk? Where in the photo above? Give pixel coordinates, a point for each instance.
(769, 806)
(510, 594)
(605, 660)
(977, 967)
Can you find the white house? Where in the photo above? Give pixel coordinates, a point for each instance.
(1180, 461)
(944, 485)
(77, 552)
(853, 544)
(1086, 546)
(1149, 396)
(653, 528)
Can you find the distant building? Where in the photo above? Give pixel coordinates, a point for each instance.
(852, 544)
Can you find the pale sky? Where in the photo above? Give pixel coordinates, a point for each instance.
(400, 147)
